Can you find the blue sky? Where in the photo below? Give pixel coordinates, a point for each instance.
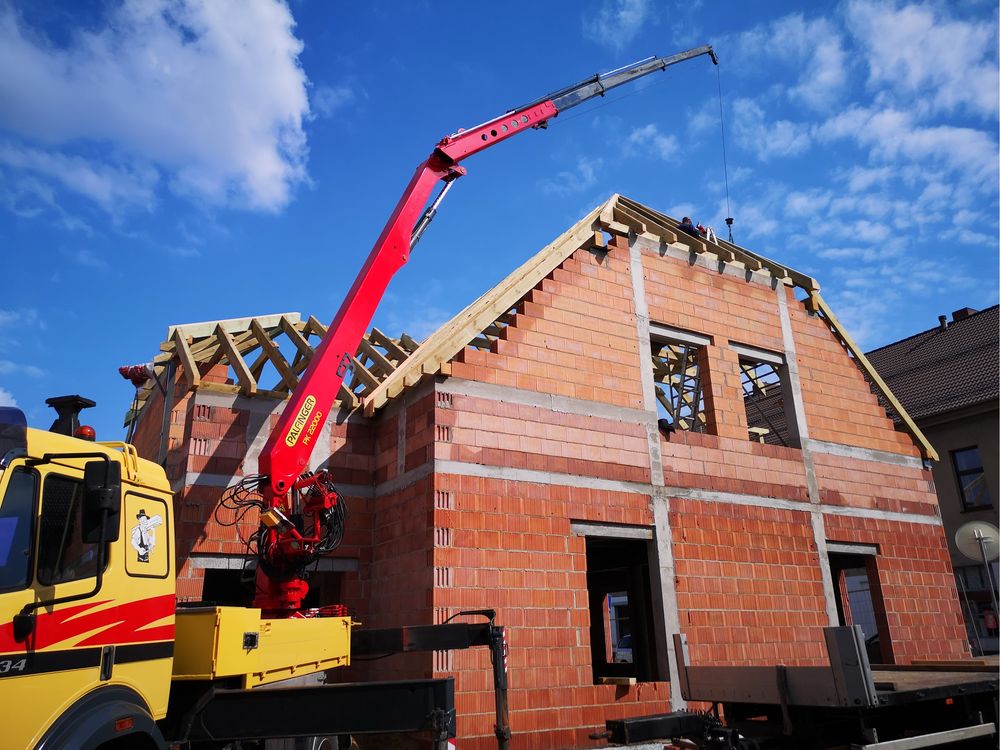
(166, 162)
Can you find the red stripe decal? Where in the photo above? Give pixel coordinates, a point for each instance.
(124, 623)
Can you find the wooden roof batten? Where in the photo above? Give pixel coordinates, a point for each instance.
(198, 347)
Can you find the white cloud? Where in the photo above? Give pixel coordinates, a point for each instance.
(9, 368)
(893, 135)
(88, 258)
(184, 251)
(813, 48)
(918, 50)
(23, 318)
(648, 140)
(108, 186)
(617, 22)
(7, 398)
(806, 203)
(567, 182)
(767, 139)
(969, 237)
(210, 91)
(680, 210)
(862, 178)
(704, 119)
(327, 100)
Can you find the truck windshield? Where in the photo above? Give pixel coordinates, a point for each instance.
(16, 527)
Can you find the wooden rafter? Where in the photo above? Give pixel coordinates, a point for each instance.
(249, 346)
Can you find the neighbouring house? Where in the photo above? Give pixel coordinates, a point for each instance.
(948, 378)
(636, 433)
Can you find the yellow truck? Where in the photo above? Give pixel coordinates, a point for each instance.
(95, 653)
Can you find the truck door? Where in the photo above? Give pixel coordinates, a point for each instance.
(73, 646)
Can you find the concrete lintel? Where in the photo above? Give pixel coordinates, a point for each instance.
(238, 402)
(231, 325)
(709, 496)
(461, 468)
(615, 531)
(883, 515)
(562, 404)
(204, 479)
(865, 454)
(237, 562)
(760, 355)
(844, 548)
(658, 330)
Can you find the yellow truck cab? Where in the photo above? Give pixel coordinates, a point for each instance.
(86, 628)
(96, 655)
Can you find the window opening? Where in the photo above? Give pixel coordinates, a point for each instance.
(16, 530)
(981, 620)
(620, 622)
(227, 588)
(971, 478)
(62, 553)
(858, 595)
(677, 378)
(622, 641)
(764, 401)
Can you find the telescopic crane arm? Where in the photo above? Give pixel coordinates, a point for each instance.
(299, 507)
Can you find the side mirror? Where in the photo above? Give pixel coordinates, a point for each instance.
(102, 491)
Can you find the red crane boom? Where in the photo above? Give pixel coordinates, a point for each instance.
(302, 515)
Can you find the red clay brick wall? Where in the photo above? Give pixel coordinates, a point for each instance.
(707, 302)
(710, 462)
(838, 403)
(478, 430)
(574, 335)
(749, 589)
(872, 484)
(507, 545)
(917, 582)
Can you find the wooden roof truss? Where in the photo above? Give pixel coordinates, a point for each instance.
(267, 355)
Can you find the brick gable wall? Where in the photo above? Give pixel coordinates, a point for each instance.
(470, 491)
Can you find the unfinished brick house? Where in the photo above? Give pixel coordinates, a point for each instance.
(637, 433)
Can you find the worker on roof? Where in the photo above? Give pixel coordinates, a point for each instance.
(687, 226)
